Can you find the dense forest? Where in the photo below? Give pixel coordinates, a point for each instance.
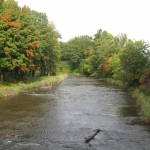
(28, 42)
(110, 56)
(30, 45)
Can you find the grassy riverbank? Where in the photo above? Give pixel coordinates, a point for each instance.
(142, 99)
(8, 89)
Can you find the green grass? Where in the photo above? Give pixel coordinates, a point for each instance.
(8, 89)
(116, 82)
(142, 99)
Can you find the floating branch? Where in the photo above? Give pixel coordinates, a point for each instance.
(87, 139)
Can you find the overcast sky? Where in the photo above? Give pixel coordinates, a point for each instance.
(84, 17)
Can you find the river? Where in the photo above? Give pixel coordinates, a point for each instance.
(60, 118)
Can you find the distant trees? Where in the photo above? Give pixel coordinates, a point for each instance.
(28, 42)
(77, 50)
(107, 55)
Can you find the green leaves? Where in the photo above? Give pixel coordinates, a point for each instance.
(134, 60)
(77, 49)
(27, 40)
(103, 50)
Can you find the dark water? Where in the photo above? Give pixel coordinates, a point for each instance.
(60, 118)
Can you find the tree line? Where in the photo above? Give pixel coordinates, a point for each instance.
(28, 42)
(110, 56)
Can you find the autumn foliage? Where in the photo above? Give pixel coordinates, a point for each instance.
(104, 69)
(32, 44)
(11, 24)
(28, 39)
(23, 69)
(7, 53)
(29, 53)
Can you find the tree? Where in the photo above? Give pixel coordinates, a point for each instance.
(53, 60)
(103, 50)
(9, 26)
(111, 65)
(27, 41)
(134, 61)
(1, 3)
(78, 49)
(86, 66)
(116, 67)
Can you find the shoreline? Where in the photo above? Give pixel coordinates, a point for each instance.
(142, 100)
(36, 82)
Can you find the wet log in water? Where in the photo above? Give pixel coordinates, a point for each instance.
(87, 139)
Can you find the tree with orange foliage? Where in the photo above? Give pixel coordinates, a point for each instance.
(27, 40)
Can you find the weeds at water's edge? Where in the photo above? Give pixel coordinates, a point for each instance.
(13, 89)
(142, 99)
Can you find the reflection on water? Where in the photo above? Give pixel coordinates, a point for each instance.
(128, 111)
(60, 118)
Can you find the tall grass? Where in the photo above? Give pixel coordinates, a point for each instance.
(142, 99)
(8, 89)
(117, 82)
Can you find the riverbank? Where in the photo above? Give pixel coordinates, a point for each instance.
(142, 99)
(10, 89)
(72, 109)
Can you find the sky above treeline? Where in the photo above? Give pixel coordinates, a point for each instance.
(84, 17)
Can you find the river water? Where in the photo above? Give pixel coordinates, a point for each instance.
(60, 118)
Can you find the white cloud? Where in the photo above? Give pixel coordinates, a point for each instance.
(80, 17)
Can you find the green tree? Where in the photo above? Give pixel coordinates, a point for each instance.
(86, 66)
(116, 67)
(111, 66)
(134, 61)
(28, 42)
(9, 26)
(53, 61)
(76, 50)
(103, 50)
(1, 3)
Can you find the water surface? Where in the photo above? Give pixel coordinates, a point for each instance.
(60, 118)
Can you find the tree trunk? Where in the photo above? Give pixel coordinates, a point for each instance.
(33, 73)
(16, 73)
(1, 78)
